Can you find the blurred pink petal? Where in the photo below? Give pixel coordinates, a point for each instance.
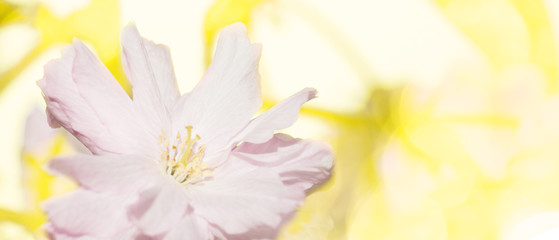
(37, 132)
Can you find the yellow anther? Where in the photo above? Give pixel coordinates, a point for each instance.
(188, 132)
(170, 170)
(182, 177)
(183, 160)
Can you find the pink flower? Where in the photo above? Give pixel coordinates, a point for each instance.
(166, 166)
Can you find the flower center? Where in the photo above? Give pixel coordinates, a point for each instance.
(183, 159)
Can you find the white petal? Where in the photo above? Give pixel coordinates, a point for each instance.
(160, 208)
(83, 97)
(150, 70)
(122, 174)
(83, 212)
(241, 198)
(300, 163)
(58, 234)
(281, 116)
(190, 227)
(229, 93)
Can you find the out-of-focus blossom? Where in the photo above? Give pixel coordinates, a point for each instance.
(41, 143)
(166, 165)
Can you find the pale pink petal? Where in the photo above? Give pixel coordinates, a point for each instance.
(229, 93)
(37, 132)
(110, 173)
(83, 97)
(131, 233)
(239, 198)
(160, 208)
(57, 234)
(257, 233)
(83, 212)
(281, 116)
(150, 70)
(190, 227)
(301, 163)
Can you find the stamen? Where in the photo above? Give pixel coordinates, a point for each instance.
(183, 161)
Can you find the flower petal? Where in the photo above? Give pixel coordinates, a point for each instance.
(281, 116)
(190, 227)
(301, 163)
(258, 233)
(57, 234)
(121, 174)
(84, 212)
(83, 97)
(229, 93)
(150, 70)
(160, 208)
(240, 198)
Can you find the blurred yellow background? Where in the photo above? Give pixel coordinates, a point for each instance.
(443, 114)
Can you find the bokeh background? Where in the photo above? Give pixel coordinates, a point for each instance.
(443, 114)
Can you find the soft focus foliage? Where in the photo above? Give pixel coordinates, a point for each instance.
(443, 114)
